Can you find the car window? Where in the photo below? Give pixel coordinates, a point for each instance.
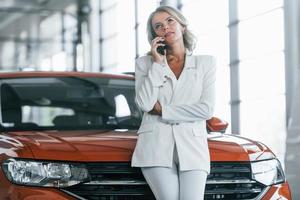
(68, 103)
(43, 115)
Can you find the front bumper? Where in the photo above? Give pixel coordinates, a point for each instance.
(18, 192)
(15, 192)
(280, 191)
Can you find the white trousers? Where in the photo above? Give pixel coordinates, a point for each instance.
(173, 184)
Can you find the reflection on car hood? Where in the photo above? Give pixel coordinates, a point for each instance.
(78, 145)
(227, 147)
(118, 145)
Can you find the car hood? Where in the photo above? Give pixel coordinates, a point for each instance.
(228, 147)
(118, 145)
(84, 145)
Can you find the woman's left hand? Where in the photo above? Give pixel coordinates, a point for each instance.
(156, 110)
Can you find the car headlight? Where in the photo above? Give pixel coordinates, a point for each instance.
(46, 174)
(268, 172)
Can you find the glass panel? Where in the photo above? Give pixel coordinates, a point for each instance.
(36, 35)
(209, 23)
(106, 4)
(46, 64)
(222, 109)
(7, 55)
(261, 77)
(143, 43)
(59, 61)
(126, 51)
(205, 15)
(43, 116)
(110, 69)
(59, 51)
(54, 21)
(214, 43)
(262, 73)
(187, 1)
(109, 52)
(61, 103)
(261, 35)
(109, 23)
(69, 22)
(264, 120)
(122, 107)
(250, 8)
(144, 10)
(22, 54)
(126, 36)
(118, 46)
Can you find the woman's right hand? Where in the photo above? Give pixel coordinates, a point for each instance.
(157, 57)
(156, 110)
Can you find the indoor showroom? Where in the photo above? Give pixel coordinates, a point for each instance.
(149, 99)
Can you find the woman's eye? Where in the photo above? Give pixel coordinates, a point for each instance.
(158, 26)
(171, 21)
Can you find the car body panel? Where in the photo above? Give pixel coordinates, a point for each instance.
(280, 191)
(62, 74)
(95, 145)
(75, 145)
(103, 145)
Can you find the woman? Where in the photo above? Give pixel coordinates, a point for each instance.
(176, 93)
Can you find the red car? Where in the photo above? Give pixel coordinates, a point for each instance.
(70, 135)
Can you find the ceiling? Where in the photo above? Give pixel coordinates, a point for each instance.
(13, 10)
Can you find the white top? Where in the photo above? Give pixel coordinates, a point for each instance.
(186, 105)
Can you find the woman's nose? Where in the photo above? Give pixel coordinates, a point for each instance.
(166, 26)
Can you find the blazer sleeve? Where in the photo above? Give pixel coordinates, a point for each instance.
(203, 109)
(148, 78)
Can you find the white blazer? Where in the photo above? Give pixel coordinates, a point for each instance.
(186, 105)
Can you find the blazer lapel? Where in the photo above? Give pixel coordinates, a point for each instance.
(189, 67)
(190, 62)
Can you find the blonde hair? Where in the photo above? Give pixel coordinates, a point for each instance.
(189, 39)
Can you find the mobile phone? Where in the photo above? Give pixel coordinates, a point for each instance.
(161, 49)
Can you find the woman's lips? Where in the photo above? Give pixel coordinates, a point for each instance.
(168, 34)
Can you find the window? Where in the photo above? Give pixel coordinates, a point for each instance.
(262, 72)
(144, 10)
(73, 103)
(209, 23)
(43, 116)
(117, 35)
(57, 48)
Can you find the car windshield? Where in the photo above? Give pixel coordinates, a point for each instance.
(68, 103)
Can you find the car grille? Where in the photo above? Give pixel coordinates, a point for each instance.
(119, 181)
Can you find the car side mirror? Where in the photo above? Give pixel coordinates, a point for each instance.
(216, 125)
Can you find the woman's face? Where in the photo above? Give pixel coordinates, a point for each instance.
(165, 25)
